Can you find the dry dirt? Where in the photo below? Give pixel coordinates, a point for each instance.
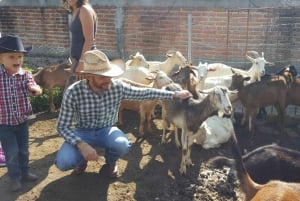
(149, 172)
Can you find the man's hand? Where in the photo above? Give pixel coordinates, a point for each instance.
(88, 152)
(183, 94)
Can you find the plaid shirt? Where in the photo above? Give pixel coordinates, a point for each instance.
(15, 104)
(91, 111)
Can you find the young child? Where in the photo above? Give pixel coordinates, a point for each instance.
(16, 85)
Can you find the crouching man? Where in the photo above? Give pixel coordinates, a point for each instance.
(93, 104)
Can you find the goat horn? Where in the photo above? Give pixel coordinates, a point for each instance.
(193, 67)
(254, 53)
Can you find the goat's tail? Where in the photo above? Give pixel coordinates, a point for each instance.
(248, 186)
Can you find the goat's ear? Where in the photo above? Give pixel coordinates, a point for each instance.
(207, 91)
(212, 69)
(233, 91)
(131, 57)
(170, 54)
(233, 71)
(193, 67)
(270, 63)
(203, 92)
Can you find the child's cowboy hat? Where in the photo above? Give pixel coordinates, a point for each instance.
(10, 43)
(96, 62)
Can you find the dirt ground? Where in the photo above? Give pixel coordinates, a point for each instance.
(149, 172)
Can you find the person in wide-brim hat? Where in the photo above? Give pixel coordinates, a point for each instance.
(96, 62)
(11, 43)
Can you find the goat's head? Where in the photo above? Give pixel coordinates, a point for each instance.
(258, 63)
(159, 79)
(220, 99)
(288, 68)
(138, 60)
(238, 80)
(177, 58)
(182, 76)
(203, 68)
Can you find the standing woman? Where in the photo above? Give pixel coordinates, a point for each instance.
(83, 29)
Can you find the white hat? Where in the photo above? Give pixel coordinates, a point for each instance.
(96, 62)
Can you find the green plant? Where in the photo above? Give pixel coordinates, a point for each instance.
(41, 103)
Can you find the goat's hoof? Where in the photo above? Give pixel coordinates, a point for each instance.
(189, 163)
(182, 170)
(141, 133)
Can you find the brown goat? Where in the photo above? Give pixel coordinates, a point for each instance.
(52, 76)
(293, 95)
(269, 91)
(274, 190)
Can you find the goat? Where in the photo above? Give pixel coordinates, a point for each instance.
(256, 71)
(266, 163)
(293, 95)
(220, 74)
(214, 131)
(173, 58)
(186, 77)
(137, 74)
(145, 108)
(203, 69)
(190, 113)
(274, 190)
(137, 60)
(293, 71)
(52, 76)
(271, 91)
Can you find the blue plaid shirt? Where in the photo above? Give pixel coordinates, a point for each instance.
(91, 111)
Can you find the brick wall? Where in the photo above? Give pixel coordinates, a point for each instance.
(218, 34)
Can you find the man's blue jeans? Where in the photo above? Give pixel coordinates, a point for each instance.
(14, 140)
(112, 139)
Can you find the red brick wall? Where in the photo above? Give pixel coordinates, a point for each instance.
(217, 34)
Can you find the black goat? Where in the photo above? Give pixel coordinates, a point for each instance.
(270, 162)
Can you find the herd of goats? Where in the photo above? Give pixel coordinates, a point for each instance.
(207, 118)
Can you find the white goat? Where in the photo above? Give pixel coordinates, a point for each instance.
(138, 74)
(137, 60)
(189, 115)
(256, 71)
(173, 58)
(223, 74)
(213, 132)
